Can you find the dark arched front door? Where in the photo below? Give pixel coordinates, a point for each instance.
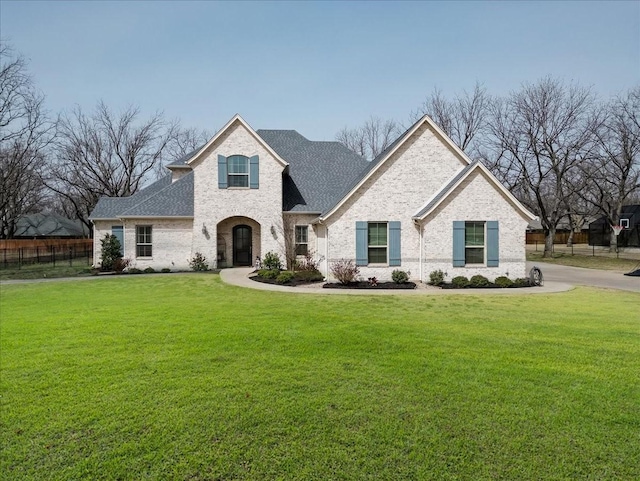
(242, 245)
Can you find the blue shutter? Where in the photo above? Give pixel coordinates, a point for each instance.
(493, 244)
(117, 230)
(394, 243)
(222, 172)
(361, 244)
(254, 172)
(458, 243)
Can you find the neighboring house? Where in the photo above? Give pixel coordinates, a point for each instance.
(421, 205)
(600, 230)
(49, 226)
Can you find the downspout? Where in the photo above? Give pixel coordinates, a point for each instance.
(326, 249)
(420, 242)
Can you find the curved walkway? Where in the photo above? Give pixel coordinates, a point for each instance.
(239, 276)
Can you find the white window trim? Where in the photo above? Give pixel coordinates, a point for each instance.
(386, 246)
(238, 174)
(295, 239)
(144, 243)
(484, 244)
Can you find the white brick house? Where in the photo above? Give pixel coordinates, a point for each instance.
(420, 206)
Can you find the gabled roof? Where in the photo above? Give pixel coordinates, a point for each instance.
(49, 225)
(448, 189)
(236, 120)
(388, 153)
(319, 172)
(181, 163)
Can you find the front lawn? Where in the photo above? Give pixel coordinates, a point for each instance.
(184, 377)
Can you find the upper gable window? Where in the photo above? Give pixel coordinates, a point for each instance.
(238, 171)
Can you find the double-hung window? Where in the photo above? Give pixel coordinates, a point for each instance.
(143, 241)
(377, 242)
(474, 242)
(302, 240)
(238, 171)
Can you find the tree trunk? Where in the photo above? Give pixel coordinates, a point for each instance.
(549, 236)
(613, 241)
(570, 238)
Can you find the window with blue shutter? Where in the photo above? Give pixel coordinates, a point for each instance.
(222, 172)
(493, 244)
(394, 243)
(254, 172)
(361, 243)
(458, 243)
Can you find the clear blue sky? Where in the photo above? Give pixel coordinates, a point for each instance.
(312, 66)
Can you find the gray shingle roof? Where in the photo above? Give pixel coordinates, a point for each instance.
(175, 200)
(49, 225)
(113, 207)
(319, 172)
(182, 161)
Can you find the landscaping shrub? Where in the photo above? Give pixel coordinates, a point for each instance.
(460, 282)
(399, 277)
(436, 278)
(272, 261)
(121, 264)
(198, 263)
(521, 282)
(165, 270)
(149, 270)
(345, 271)
(284, 277)
(134, 270)
(479, 281)
(110, 252)
(308, 263)
(269, 273)
(308, 276)
(503, 281)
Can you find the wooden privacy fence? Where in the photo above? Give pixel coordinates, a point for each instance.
(560, 238)
(19, 252)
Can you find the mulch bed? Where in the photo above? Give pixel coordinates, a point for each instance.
(292, 283)
(490, 286)
(367, 285)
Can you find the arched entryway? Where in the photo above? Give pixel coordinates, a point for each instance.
(242, 245)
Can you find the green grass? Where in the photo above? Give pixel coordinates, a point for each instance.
(590, 262)
(183, 377)
(41, 271)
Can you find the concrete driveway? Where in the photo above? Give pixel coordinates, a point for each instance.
(587, 277)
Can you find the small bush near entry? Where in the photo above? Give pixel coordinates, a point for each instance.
(460, 282)
(198, 263)
(436, 278)
(479, 281)
(345, 271)
(149, 270)
(110, 252)
(165, 270)
(269, 273)
(399, 277)
(503, 281)
(121, 264)
(284, 277)
(308, 276)
(134, 270)
(272, 261)
(309, 263)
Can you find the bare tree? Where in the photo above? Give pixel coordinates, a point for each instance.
(106, 154)
(463, 118)
(614, 175)
(25, 132)
(372, 138)
(186, 141)
(540, 136)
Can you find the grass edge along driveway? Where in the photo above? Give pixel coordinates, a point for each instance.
(184, 377)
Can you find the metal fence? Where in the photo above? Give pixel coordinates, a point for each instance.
(16, 253)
